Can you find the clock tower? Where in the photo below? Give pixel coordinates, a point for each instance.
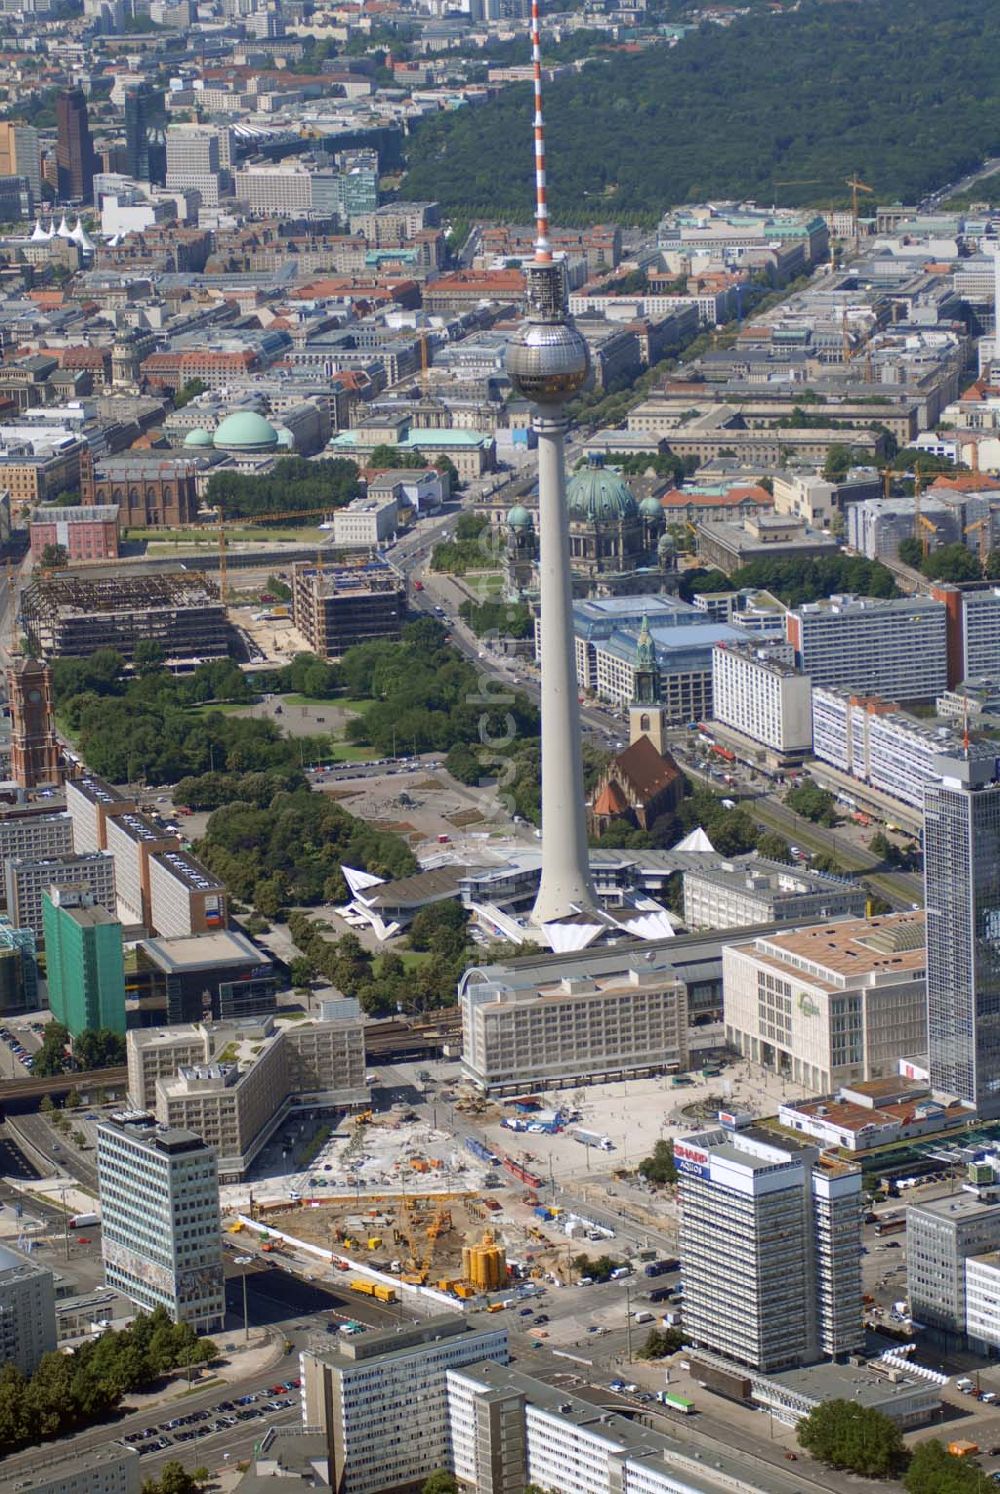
(34, 754)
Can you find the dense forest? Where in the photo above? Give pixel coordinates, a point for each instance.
(777, 107)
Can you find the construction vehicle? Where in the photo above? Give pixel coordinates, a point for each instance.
(376, 1289)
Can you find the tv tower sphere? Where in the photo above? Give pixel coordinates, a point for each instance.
(548, 362)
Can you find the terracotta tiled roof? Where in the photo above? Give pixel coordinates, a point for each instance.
(646, 772)
(611, 800)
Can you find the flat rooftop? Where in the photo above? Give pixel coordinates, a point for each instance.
(839, 954)
(189, 871)
(850, 1382)
(958, 1206)
(756, 874)
(192, 952)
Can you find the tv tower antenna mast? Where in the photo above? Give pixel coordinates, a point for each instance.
(548, 363)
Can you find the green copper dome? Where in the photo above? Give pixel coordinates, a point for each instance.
(599, 496)
(519, 518)
(246, 431)
(650, 508)
(198, 438)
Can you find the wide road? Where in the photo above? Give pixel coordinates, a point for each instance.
(903, 889)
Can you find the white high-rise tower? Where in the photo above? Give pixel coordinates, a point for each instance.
(548, 362)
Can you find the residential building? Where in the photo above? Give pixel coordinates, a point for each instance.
(365, 523)
(27, 1311)
(160, 1227)
(758, 693)
(74, 147)
(184, 896)
(361, 1394)
(895, 649)
(84, 533)
(752, 890)
(941, 1235)
(980, 632)
(234, 1083)
(770, 1247)
(110, 1468)
(336, 606)
(34, 748)
(879, 745)
(962, 896)
(553, 1031)
(29, 879)
(832, 1004)
(83, 961)
(35, 835)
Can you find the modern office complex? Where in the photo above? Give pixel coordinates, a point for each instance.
(941, 1235)
(770, 1245)
(28, 880)
(751, 890)
(758, 692)
(895, 649)
(27, 1311)
(18, 969)
(74, 147)
(878, 744)
(160, 1228)
(363, 1394)
(204, 977)
(582, 1029)
(234, 1083)
(83, 961)
(832, 1004)
(982, 1303)
(962, 898)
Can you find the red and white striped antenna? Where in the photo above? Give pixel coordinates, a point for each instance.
(543, 249)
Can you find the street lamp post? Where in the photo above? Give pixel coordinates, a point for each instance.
(244, 1261)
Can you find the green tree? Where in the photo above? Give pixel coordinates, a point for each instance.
(951, 563)
(933, 1470)
(173, 1479)
(189, 391)
(661, 1342)
(51, 1056)
(659, 1166)
(54, 557)
(149, 656)
(599, 1269)
(440, 928)
(72, 1099)
(773, 846)
(856, 1438)
(812, 802)
(911, 552)
(441, 1482)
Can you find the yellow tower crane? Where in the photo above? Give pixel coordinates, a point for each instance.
(856, 185)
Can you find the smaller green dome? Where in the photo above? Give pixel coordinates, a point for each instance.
(519, 518)
(651, 508)
(198, 437)
(245, 430)
(599, 496)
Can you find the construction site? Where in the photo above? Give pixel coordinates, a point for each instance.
(66, 615)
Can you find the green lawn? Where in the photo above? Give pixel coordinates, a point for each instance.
(347, 752)
(414, 958)
(486, 585)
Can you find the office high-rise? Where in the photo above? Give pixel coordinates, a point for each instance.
(160, 1233)
(74, 147)
(20, 156)
(770, 1246)
(144, 150)
(962, 896)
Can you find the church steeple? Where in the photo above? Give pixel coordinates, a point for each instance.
(647, 689)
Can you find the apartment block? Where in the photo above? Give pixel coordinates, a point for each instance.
(770, 1246)
(83, 961)
(28, 880)
(895, 649)
(160, 1226)
(27, 1311)
(980, 632)
(829, 1005)
(982, 1303)
(758, 692)
(184, 896)
(752, 890)
(234, 1083)
(90, 802)
(575, 1029)
(108, 1469)
(131, 840)
(35, 835)
(941, 1235)
(362, 1393)
(877, 744)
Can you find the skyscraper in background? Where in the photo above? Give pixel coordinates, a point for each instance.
(145, 150)
(74, 147)
(962, 896)
(20, 156)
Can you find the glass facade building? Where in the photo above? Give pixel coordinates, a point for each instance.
(962, 895)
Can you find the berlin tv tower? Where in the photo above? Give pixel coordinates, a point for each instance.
(548, 363)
